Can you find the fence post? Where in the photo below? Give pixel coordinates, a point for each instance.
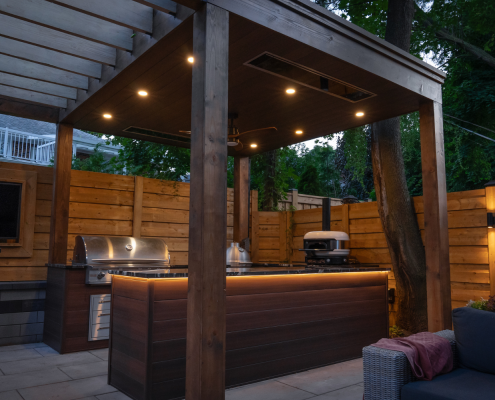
(345, 218)
(255, 222)
(138, 206)
(283, 240)
(295, 198)
(490, 207)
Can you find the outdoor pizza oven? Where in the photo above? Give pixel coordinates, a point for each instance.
(99, 254)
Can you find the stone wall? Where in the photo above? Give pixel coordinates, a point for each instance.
(21, 312)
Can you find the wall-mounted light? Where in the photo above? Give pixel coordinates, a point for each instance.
(107, 116)
(190, 59)
(253, 145)
(299, 132)
(490, 220)
(290, 91)
(143, 93)
(360, 114)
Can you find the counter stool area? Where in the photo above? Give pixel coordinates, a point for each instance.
(37, 372)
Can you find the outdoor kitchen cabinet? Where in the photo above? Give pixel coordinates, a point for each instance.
(67, 310)
(276, 325)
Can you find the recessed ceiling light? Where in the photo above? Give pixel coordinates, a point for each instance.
(359, 114)
(190, 59)
(253, 145)
(107, 116)
(290, 91)
(299, 132)
(143, 93)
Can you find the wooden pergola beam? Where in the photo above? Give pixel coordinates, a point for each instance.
(59, 220)
(34, 97)
(37, 86)
(167, 6)
(63, 19)
(341, 39)
(241, 198)
(436, 217)
(142, 43)
(52, 39)
(22, 109)
(193, 4)
(126, 13)
(32, 70)
(205, 361)
(51, 58)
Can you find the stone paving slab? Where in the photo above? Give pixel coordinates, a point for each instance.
(267, 390)
(70, 390)
(10, 395)
(22, 346)
(48, 375)
(86, 370)
(328, 378)
(113, 396)
(47, 351)
(32, 379)
(101, 353)
(18, 367)
(16, 355)
(354, 392)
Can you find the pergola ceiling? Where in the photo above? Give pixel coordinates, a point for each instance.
(49, 49)
(91, 57)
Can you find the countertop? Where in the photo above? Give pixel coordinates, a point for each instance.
(255, 269)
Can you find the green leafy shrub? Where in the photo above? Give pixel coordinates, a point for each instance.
(395, 332)
(485, 305)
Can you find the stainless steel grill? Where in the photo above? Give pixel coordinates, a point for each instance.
(98, 254)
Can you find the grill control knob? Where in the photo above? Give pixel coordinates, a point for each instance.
(101, 275)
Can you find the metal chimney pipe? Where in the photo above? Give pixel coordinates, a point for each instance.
(326, 212)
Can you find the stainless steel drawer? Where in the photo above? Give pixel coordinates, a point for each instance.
(100, 331)
(100, 302)
(99, 317)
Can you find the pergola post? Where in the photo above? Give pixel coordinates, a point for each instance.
(205, 359)
(241, 198)
(436, 222)
(59, 221)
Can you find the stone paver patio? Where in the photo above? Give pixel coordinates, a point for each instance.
(37, 372)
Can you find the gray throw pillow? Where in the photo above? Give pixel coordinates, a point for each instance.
(475, 336)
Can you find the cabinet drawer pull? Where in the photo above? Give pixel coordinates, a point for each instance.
(103, 315)
(99, 329)
(105, 301)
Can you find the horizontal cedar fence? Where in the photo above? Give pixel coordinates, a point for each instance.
(468, 238)
(298, 201)
(105, 204)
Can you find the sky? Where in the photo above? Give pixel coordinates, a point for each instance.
(333, 142)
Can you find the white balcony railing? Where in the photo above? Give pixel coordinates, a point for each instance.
(27, 147)
(40, 149)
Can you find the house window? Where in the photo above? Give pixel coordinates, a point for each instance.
(10, 211)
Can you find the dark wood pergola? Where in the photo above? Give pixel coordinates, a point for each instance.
(71, 62)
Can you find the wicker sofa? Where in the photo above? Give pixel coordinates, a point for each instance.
(388, 375)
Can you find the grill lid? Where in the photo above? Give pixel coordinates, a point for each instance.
(118, 251)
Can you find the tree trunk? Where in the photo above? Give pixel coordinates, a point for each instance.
(270, 192)
(395, 205)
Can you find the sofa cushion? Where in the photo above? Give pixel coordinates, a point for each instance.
(474, 334)
(460, 384)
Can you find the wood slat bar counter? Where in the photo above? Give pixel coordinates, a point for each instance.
(279, 320)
